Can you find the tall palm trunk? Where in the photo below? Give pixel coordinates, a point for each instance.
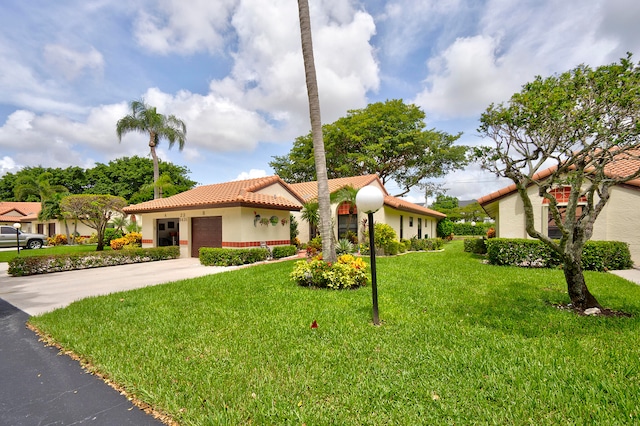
(156, 169)
(328, 246)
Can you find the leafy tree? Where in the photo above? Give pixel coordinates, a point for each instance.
(473, 212)
(36, 188)
(95, 211)
(388, 138)
(447, 205)
(581, 122)
(328, 249)
(131, 178)
(145, 119)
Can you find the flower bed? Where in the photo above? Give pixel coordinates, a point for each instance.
(21, 266)
(347, 272)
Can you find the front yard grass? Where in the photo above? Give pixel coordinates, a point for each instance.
(461, 343)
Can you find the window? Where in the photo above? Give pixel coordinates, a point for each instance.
(401, 227)
(347, 219)
(419, 227)
(552, 228)
(410, 221)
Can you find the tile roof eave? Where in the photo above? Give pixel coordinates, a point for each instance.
(133, 210)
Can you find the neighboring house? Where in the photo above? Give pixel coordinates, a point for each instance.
(246, 213)
(26, 213)
(407, 219)
(617, 222)
(253, 212)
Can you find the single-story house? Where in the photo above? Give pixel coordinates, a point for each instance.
(239, 214)
(253, 212)
(26, 213)
(407, 219)
(617, 222)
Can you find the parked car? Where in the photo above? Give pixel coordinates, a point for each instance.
(27, 240)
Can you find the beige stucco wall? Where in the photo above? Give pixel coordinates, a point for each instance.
(386, 215)
(237, 226)
(617, 222)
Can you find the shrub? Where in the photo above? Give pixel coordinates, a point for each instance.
(491, 232)
(111, 234)
(315, 243)
(392, 248)
(57, 240)
(382, 235)
(284, 251)
(444, 228)
(344, 246)
(596, 255)
(475, 245)
(347, 272)
(20, 266)
(229, 257)
(466, 228)
(426, 244)
(606, 255)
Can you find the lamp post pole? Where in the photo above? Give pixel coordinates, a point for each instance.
(17, 227)
(369, 200)
(374, 283)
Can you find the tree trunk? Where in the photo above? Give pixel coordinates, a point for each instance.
(156, 169)
(579, 294)
(328, 245)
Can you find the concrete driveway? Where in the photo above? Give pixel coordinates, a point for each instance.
(36, 294)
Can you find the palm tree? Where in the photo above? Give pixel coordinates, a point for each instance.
(328, 245)
(29, 186)
(145, 119)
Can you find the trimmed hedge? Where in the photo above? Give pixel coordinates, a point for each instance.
(465, 228)
(596, 255)
(475, 245)
(427, 244)
(230, 257)
(279, 252)
(21, 266)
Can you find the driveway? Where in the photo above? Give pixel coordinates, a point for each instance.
(36, 294)
(39, 386)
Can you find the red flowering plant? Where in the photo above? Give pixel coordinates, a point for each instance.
(347, 272)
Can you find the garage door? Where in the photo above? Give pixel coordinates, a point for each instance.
(205, 232)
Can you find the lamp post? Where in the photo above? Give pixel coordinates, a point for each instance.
(17, 226)
(369, 200)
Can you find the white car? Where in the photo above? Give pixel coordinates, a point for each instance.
(32, 241)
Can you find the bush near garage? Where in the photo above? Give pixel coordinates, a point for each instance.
(57, 240)
(279, 252)
(229, 257)
(21, 266)
(596, 255)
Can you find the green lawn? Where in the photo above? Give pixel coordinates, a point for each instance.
(461, 343)
(6, 256)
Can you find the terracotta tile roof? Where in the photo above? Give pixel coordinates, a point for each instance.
(28, 211)
(400, 204)
(309, 190)
(235, 193)
(621, 167)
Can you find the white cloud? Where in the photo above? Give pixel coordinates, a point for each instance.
(72, 63)
(252, 174)
(516, 41)
(184, 28)
(8, 165)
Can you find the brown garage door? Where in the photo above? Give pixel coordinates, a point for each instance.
(205, 232)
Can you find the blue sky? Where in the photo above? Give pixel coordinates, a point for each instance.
(233, 71)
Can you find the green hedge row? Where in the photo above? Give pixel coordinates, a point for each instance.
(230, 257)
(21, 266)
(596, 256)
(279, 252)
(475, 245)
(465, 228)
